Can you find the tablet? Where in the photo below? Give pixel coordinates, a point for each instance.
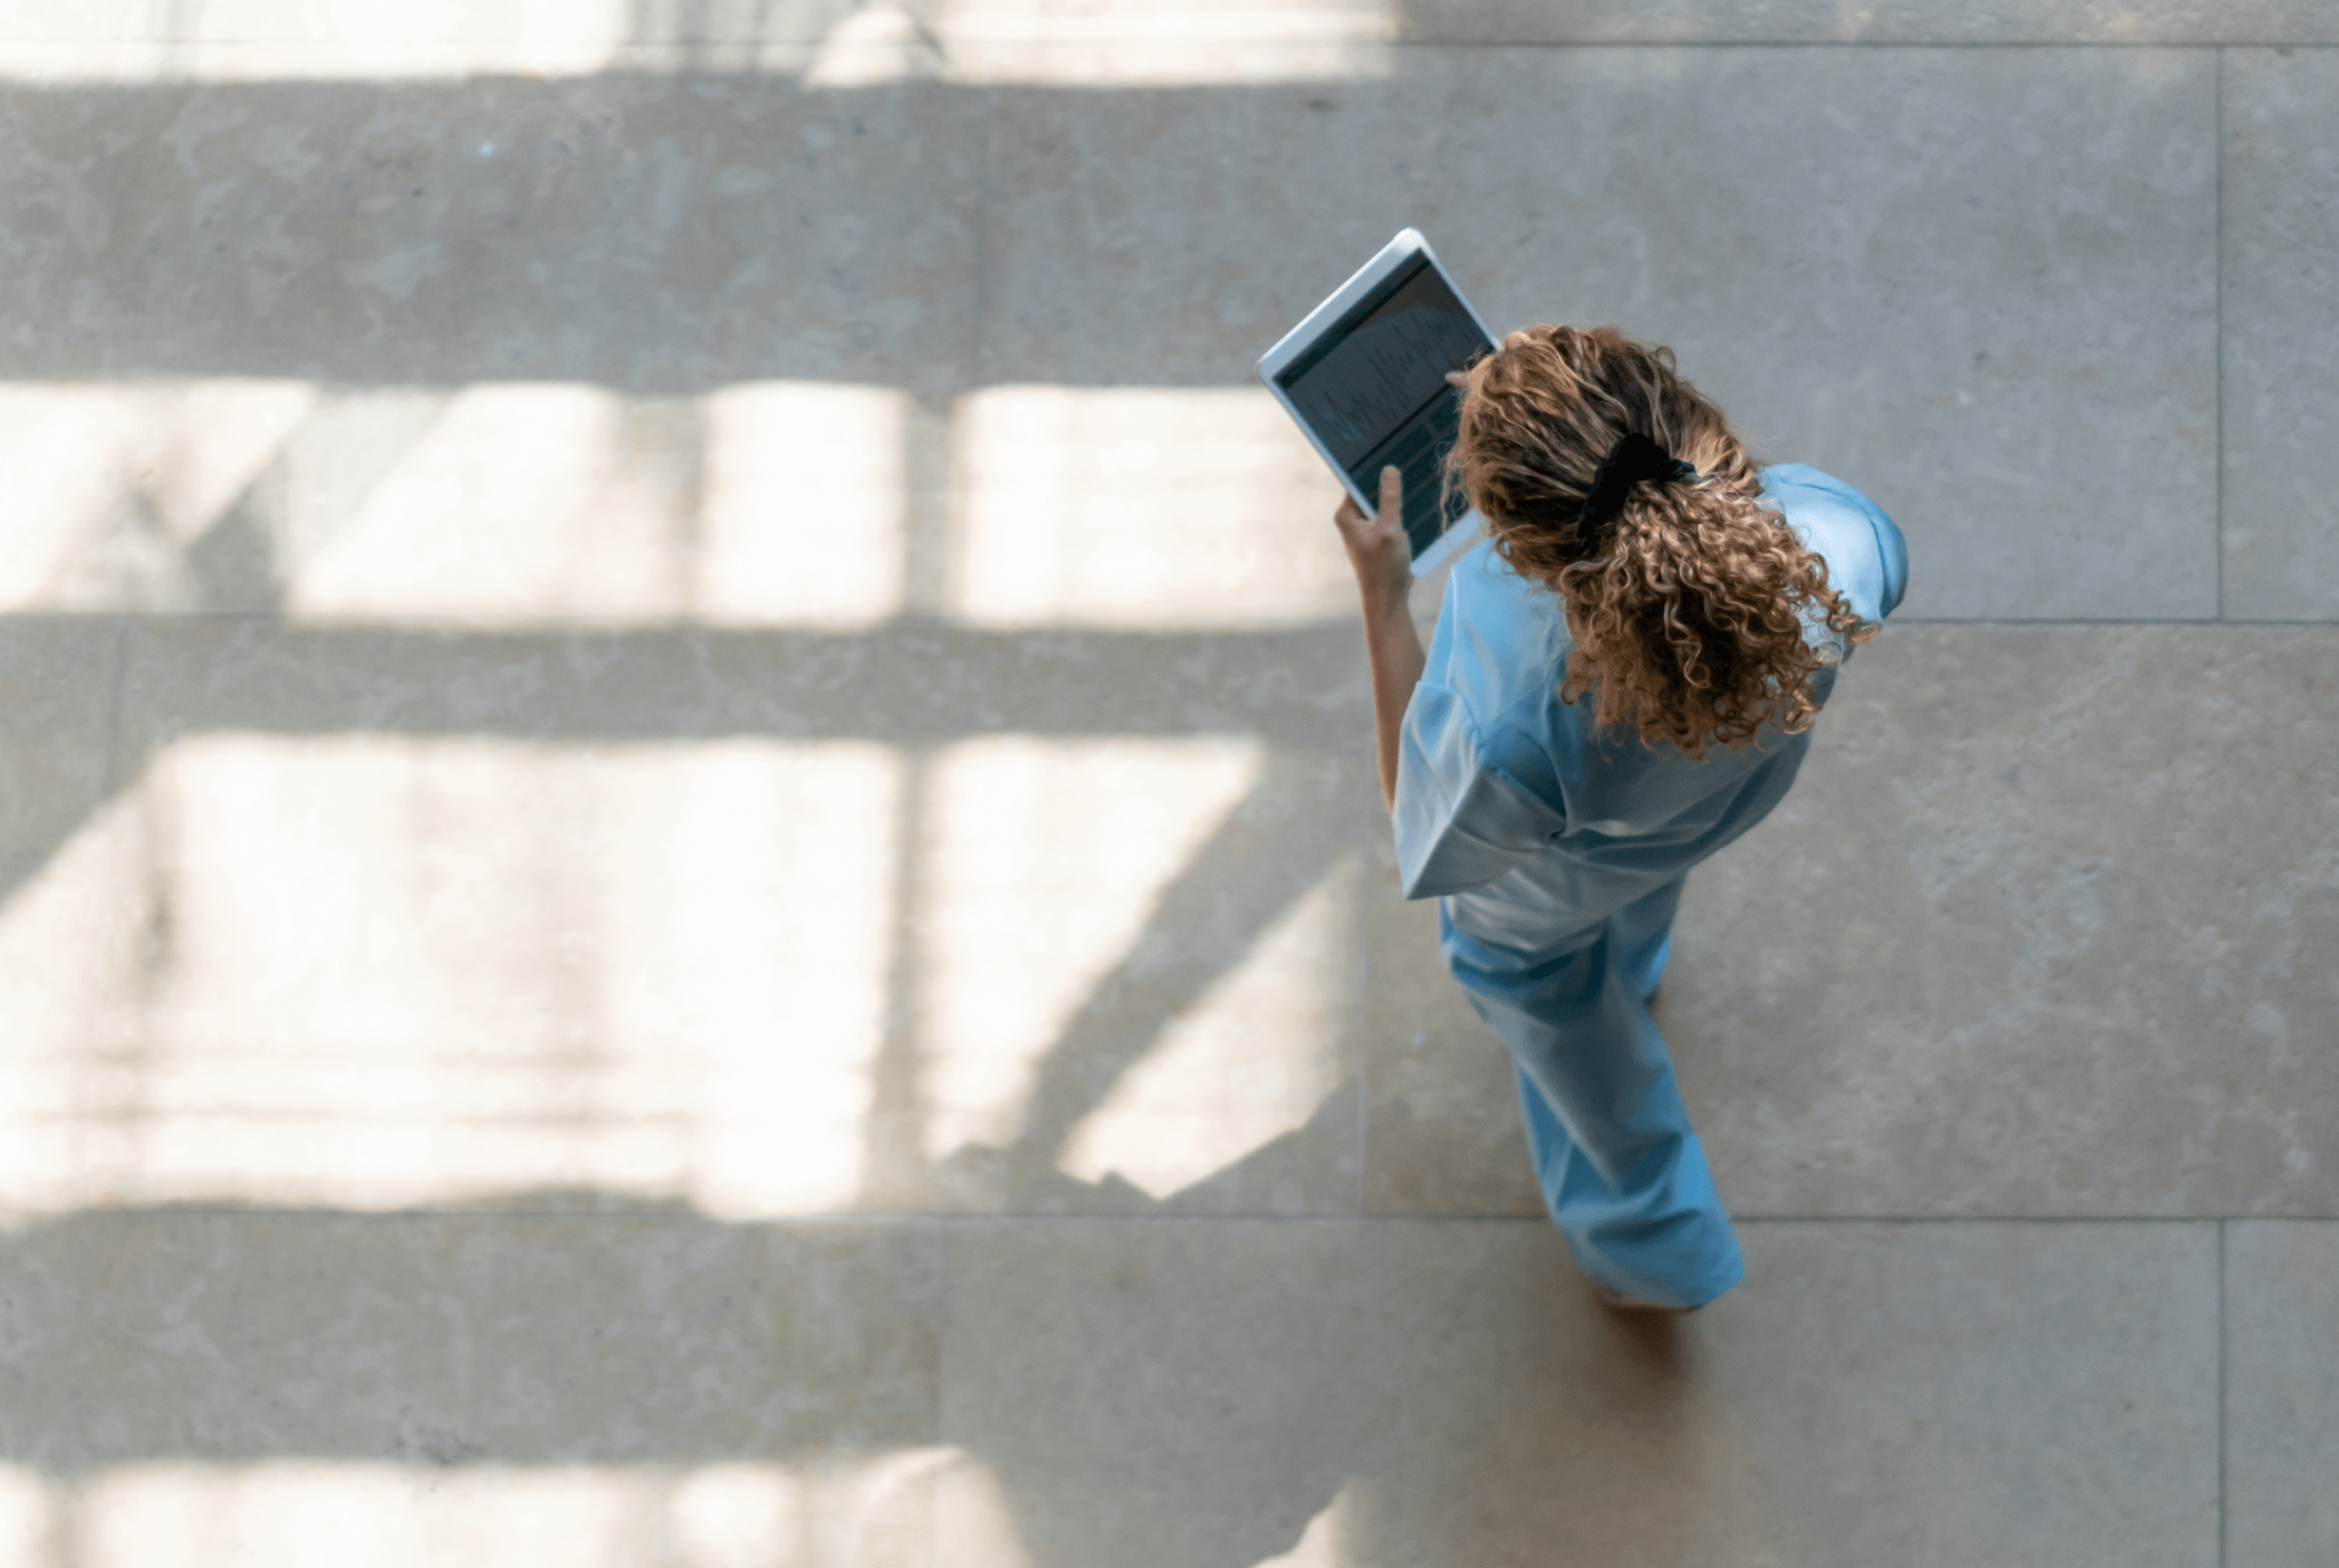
(1364, 376)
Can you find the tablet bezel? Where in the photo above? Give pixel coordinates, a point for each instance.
(1399, 254)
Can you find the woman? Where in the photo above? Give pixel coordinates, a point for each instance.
(1623, 680)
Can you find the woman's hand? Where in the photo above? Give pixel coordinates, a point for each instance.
(1384, 566)
(1377, 545)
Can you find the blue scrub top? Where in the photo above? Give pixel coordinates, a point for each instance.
(1531, 824)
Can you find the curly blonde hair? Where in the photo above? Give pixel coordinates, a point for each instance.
(1689, 607)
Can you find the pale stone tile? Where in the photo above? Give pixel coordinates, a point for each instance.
(1263, 1053)
(1871, 22)
(1320, 48)
(520, 918)
(1141, 506)
(170, 496)
(59, 681)
(1136, 968)
(2042, 930)
(499, 1389)
(2282, 289)
(1336, 1392)
(652, 232)
(544, 34)
(489, 27)
(498, 504)
(1973, 284)
(767, 923)
(766, 503)
(802, 505)
(398, 971)
(1136, 979)
(2039, 930)
(1166, 22)
(281, 1513)
(69, 947)
(2282, 1391)
(834, 43)
(904, 684)
(1043, 861)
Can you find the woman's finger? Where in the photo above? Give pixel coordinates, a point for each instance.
(1392, 496)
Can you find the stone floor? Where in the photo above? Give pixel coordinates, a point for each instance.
(688, 870)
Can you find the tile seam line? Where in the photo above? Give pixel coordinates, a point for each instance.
(1560, 45)
(457, 630)
(2218, 333)
(2223, 1226)
(27, 1217)
(1216, 40)
(2203, 43)
(635, 59)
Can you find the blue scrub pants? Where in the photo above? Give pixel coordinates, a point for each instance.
(1621, 1173)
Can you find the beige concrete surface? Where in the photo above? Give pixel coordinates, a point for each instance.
(2281, 392)
(284, 1386)
(2071, 881)
(2282, 1396)
(2000, 22)
(1974, 284)
(689, 869)
(712, 29)
(1981, 338)
(1397, 1392)
(57, 687)
(639, 229)
(2097, 922)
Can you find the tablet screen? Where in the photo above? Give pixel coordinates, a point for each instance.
(1373, 390)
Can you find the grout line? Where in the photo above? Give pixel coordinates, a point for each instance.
(2020, 621)
(2221, 1392)
(16, 1220)
(2217, 276)
(613, 629)
(2002, 44)
(1901, 620)
(1986, 1218)
(653, 48)
(1557, 46)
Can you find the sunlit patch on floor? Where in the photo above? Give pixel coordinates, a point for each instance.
(110, 487)
(1252, 1059)
(1042, 861)
(1318, 1546)
(840, 45)
(278, 1514)
(1141, 507)
(1167, 43)
(766, 504)
(802, 508)
(773, 503)
(379, 971)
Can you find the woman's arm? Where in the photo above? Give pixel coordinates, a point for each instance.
(1384, 569)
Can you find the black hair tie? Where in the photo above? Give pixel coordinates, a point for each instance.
(1633, 457)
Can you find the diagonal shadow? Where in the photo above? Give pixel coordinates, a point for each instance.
(1278, 842)
(60, 692)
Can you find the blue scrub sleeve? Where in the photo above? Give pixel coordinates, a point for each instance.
(1893, 551)
(1460, 821)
